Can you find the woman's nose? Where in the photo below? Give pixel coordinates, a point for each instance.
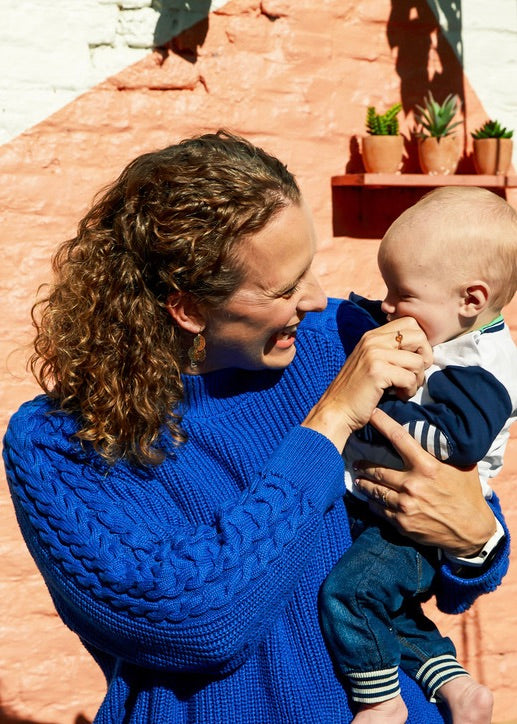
(314, 298)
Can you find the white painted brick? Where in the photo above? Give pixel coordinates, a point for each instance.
(137, 27)
(492, 16)
(49, 70)
(107, 61)
(100, 27)
(134, 4)
(21, 108)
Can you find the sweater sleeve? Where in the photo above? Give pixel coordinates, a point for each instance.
(455, 594)
(179, 598)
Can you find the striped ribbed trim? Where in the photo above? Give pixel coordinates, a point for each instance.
(374, 686)
(436, 672)
(430, 438)
(494, 326)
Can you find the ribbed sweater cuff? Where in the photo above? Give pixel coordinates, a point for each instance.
(312, 463)
(458, 593)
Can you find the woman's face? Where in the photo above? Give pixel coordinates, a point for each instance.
(256, 327)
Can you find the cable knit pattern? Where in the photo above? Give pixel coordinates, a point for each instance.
(194, 584)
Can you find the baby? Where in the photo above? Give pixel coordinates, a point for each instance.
(449, 261)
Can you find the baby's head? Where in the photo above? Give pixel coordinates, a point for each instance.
(450, 261)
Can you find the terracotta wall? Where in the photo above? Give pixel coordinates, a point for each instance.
(296, 81)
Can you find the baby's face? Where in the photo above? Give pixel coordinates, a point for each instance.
(414, 289)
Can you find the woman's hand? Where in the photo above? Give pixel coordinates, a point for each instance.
(431, 502)
(392, 356)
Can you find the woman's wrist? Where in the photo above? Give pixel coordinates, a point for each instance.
(479, 529)
(331, 423)
(483, 557)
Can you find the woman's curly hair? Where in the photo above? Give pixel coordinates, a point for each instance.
(106, 347)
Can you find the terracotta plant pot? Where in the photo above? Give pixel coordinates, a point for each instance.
(493, 155)
(382, 154)
(438, 156)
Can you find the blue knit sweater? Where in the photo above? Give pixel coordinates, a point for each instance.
(194, 584)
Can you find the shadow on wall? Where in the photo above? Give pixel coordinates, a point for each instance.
(7, 716)
(179, 29)
(428, 37)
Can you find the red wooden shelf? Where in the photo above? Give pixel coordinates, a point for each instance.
(365, 204)
(421, 179)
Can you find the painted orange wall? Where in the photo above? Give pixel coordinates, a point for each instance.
(296, 81)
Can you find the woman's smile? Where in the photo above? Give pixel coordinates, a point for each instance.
(286, 337)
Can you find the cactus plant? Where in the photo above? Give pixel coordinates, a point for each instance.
(383, 124)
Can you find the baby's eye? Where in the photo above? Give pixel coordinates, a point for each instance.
(403, 295)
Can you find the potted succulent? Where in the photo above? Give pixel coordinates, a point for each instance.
(383, 145)
(438, 149)
(493, 147)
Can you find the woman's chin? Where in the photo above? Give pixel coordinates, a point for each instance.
(281, 354)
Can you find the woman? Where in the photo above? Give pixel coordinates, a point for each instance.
(180, 483)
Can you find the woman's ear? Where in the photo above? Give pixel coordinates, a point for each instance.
(475, 298)
(186, 312)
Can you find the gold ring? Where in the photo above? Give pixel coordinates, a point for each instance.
(384, 499)
(399, 338)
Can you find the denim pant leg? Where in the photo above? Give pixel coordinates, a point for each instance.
(366, 621)
(426, 655)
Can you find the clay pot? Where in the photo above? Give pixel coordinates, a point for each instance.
(493, 155)
(439, 156)
(382, 154)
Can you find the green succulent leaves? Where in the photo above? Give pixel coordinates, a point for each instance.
(491, 129)
(383, 124)
(436, 119)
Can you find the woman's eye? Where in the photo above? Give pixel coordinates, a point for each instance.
(289, 292)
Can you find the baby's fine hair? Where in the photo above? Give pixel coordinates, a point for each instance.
(474, 229)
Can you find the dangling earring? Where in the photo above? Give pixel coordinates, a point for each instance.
(197, 352)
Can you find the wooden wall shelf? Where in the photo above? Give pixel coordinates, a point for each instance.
(365, 204)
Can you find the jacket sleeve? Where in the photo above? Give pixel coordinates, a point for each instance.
(176, 597)
(469, 409)
(371, 306)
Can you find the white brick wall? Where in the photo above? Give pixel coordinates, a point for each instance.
(51, 51)
(484, 35)
(491, 56)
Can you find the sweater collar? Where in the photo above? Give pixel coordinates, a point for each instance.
(218, 392)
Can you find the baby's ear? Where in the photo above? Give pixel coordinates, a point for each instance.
(186, 312)
(474, 298)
